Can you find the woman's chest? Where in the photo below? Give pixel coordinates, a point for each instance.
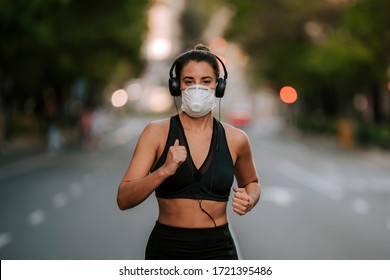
(199, 148)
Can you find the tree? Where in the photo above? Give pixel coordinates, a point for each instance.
(368, 22)
(278, 35)
(52, 44)
(330, 50)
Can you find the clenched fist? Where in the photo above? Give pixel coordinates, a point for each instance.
(176, 156)
(242, 202)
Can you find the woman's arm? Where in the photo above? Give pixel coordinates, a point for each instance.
(138, 183)
(248, 192)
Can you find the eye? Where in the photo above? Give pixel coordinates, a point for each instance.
(206, 81)
(188, 82)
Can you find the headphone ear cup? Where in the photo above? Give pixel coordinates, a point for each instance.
(174, 87)
(220, 89)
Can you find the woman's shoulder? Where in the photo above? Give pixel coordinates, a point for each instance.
(157, 127)
(154, 133)
(236, 138)
(160, 123)
(234, 133)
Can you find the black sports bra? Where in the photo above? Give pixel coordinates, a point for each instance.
(212, 181)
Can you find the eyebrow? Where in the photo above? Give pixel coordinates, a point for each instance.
(190, 77)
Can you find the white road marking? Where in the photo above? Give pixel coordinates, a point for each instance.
(88, 180)
(388, 224)
(36, 217)
(59, 200)
(360, 206)
(76, 190)
(281, 196)
(311, 180)
(5, 239)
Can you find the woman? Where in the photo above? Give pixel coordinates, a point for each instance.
(189, 161)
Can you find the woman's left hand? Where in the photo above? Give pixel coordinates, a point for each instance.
(242, 202)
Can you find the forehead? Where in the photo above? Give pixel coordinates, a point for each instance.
(197, 68)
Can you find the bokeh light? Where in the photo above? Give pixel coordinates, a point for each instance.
(288, 94)
(159, 49)
(159, 100)
(119, 98)
(134, 91)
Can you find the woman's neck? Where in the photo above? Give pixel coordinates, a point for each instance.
(196, 124)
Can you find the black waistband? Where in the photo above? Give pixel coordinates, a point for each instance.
(177, 243)
(194, 230)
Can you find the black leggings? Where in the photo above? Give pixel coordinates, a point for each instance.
(172, 243)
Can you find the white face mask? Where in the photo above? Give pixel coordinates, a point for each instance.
(197, 100)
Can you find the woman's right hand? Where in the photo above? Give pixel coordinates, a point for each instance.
(176, 156)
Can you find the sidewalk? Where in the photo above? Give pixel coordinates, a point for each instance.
(21, 148)
(333, 144)
(118, 130)
(27, 146)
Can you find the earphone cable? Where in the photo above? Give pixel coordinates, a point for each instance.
(174, 100)
(204, 211)
(219, 109)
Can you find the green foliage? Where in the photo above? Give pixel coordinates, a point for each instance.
(337, 55)
(363, 134)
(340, 61)
(317, 125)
(53, 43)
(378, 135)
(368, 22)
(329, 51)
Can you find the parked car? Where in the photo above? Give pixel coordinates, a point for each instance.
(240, 115)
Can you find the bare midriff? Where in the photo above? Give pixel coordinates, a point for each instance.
(186, 213)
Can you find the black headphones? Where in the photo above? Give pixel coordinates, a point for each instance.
(174, 83)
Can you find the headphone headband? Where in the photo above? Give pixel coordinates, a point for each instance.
(183, 54)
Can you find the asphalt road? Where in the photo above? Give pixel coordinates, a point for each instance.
(318, 202)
